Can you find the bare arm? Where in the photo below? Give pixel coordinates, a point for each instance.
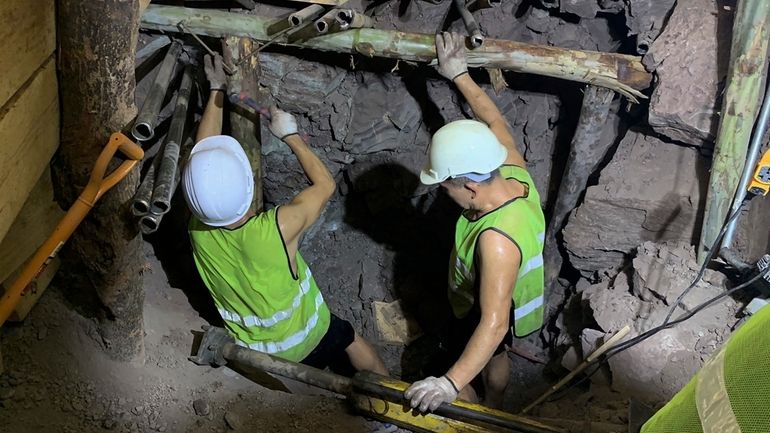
(486, 110)
(297, 216)
(499, 262)
(211, 122)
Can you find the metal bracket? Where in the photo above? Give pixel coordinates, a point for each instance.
(210, 350)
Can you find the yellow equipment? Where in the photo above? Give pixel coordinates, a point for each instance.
(372, 395)
(760, 182)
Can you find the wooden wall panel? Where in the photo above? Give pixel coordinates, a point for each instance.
(31, 228)
(27, 39)
(29, 136)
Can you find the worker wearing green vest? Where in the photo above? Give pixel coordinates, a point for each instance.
(496, 266)
(250, 262)
(729, 394)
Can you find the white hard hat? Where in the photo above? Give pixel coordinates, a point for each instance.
(217, 182)
(462, 147)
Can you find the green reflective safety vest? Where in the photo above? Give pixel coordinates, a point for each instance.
(730, 393)
(522, 221)
(263, 305)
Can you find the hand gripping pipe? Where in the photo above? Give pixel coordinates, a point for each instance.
(146, 120)
(165, 176)
(98, 184)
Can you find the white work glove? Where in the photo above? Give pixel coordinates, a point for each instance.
(282, 124)
(215, 72)
(450, 49)
(430, 392)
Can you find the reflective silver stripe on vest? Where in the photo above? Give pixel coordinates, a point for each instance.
(527, 308)
(249, 321)
(541, 237)
(711, 398)
(531, 265)
(290, 341)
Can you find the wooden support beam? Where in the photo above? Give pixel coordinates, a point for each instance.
(96, 62)
(588, 150)
(244, 123)
(745, 80)
(621, 73)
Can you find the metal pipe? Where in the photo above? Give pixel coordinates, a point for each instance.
(149, 223)
(164, 186)
(477, 39)
(305, 15)
(326, 22)
(141, 201)
(748, 169)
(352, 19)
(146, 120)
(300, 372)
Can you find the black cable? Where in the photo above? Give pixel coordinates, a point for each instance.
(707, 260)
(667, 323)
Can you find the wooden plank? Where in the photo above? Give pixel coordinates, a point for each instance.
(34, 291)
(31, 228)
(28, 35)
(29, 136)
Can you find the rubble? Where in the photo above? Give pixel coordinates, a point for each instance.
(650, 191)
(690, 72)
(655, 369)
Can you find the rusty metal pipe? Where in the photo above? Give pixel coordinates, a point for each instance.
(476, 38)
(306, 15)
(141, 201)
(300, 372)
(352, 19)
(326, 22)
(164, 186)
(98, 184)
(147, 119)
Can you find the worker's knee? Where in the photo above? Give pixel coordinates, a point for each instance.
(497, 372)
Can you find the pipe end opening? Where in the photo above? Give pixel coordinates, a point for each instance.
(148, 225)
(142, 131)
(295, 21)
(321, 26)
(140, 208)
(160, 208)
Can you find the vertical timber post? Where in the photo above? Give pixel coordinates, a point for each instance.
(745, 79)
(97, 45)
(587, 150)
(245, 124)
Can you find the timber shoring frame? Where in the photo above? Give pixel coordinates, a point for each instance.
(622, 73)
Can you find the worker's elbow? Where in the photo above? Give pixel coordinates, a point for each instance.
(497, 328)
(327, 188)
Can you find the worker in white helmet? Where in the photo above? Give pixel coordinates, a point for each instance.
(249, 260)
(496, 266)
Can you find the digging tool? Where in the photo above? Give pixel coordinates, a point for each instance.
(583, 365)
(98, 184)
(374, 395)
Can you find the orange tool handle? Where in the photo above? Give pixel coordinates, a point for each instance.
(97, 185)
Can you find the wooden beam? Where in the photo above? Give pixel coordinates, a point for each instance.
(29, 127)
(97, 47)
(745, 80)
(28, 32)
(245, 124)
(588, 150)
(622, 73)
(34, 291)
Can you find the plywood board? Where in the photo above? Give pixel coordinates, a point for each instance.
(29, 136)
(27, 39)
(34, 290)
(31, 228)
